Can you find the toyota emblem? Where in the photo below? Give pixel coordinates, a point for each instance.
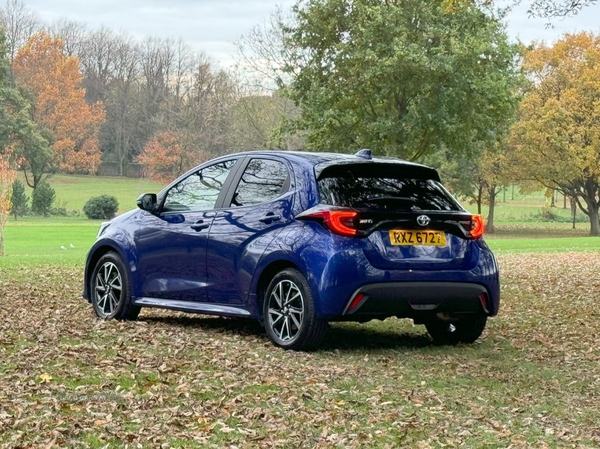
(423, 220)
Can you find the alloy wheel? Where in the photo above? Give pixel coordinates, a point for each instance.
(286, 310)
(108, 288)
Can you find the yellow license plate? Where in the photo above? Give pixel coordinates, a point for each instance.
(427, 238)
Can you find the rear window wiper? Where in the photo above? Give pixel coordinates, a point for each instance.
(391, 200)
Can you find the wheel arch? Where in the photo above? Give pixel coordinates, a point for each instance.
(95, 255)
(265, 277)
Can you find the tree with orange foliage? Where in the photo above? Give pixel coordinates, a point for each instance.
(16, 131)
(168, 155)
(59, 104)
(7, 177)
(557, 134)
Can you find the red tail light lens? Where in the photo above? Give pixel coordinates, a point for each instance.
(484, 302)
(477, 226)
(358, 300)
(340, 222)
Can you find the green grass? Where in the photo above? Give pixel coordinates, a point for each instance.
(545, 245)
(72, 192)
(32, 241)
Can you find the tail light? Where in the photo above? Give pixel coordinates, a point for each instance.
(477, 226)
(338, 221)
(358, 223)
(355, 303)
(484, 302)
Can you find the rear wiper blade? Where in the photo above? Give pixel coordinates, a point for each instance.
(405, 199)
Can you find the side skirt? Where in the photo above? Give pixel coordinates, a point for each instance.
(192, 307)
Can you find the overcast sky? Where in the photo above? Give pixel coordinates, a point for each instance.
(212, 26)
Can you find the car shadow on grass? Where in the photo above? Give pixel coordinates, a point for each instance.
(353, 337)
(210, 324)
(343, 337)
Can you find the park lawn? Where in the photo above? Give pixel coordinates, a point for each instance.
(175, 380)
(72, 192)
(69, 379)
(38, 240)
(32, 241)
(544, 245)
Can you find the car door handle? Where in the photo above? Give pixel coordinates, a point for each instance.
(199, 225)
(270, 217)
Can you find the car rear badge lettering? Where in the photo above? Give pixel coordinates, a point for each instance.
(423, 220)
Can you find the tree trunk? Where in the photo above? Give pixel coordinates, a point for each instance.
(591, 192)
(594, 223)
(565, 201)
(489, 227)
(479, 199)
(573, 209)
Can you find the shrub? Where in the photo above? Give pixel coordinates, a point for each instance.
(101, 207)
(42, 198)
(59, 212)
(18, 200)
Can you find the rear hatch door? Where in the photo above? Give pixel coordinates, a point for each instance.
(410, 220)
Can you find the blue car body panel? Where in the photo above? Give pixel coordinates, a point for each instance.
(221, 266)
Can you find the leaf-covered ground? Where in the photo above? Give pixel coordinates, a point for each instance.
(533, 380)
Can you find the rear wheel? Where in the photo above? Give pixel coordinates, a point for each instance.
(466, 330)
(109, 287)
(289, 312)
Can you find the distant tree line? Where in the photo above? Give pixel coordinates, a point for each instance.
(134, 91)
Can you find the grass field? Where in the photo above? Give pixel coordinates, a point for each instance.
(32, 240)
(35, 240)
(72, 192)
(175, 380)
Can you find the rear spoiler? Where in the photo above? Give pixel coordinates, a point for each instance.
(376, 168)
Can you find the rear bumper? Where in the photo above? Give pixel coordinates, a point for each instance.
(406, 292)
(417, 300)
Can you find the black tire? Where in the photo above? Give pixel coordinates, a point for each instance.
(466, 330)
(110, 290)
(289, 313)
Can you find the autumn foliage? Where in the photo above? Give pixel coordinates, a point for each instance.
(557, 134)
(55, 82)
(7, 177)
(167, 155)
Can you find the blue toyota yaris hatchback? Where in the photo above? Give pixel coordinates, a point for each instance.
(298, 239)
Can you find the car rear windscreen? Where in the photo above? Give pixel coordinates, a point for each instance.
(376, 192)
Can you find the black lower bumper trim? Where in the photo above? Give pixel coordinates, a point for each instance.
(418, 299)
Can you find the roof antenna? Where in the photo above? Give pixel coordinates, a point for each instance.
(365, 153)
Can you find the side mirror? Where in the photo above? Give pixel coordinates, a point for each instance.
(147, 202)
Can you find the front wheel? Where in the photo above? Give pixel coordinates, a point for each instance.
(466, 330)
(289, 312)
(109, 287)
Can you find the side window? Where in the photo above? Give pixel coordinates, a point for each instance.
(262, 181)
(200, 190)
